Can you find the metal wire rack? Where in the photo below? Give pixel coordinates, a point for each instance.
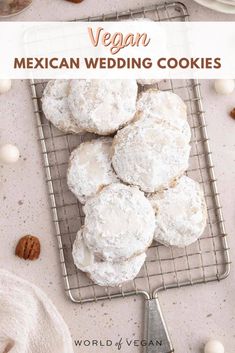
(165, 267)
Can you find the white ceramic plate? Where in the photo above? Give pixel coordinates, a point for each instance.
(217, 6)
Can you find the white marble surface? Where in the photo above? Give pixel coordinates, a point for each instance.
(193, 314)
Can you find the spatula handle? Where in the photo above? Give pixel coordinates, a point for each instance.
(156, 334)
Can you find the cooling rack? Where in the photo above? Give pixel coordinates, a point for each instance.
(165, 267)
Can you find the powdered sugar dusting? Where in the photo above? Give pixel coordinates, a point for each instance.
(180, 213)
(105, 273)
(147, 82)
(102, 106)
(150, 154)
(164, 106)
(119, 223)
(55, 106)
(90, 168)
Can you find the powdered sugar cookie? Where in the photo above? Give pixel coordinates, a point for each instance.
(147, 82)
(119, 223)
(150, 154)
(90, 168)
(105, 273)
(102, 106)
(180, 213)
(164, 106)
(55, 106)
(155, 102)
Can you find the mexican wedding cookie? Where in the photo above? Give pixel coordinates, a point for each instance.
(55, 106)
(150, 154)
(105, 273)
(90, 168)
(147, 81)
(164, 106)
(180, 213)
(119, 223)
(102, 106)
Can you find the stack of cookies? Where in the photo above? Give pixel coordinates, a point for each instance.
(130, 179)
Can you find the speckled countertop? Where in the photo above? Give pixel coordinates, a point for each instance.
(193, 314)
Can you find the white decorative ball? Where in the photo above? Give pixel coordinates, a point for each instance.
(5, 86)
(214, 346)
(224, 86)
(9, 154)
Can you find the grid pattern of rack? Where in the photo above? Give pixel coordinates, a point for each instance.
(165, 267)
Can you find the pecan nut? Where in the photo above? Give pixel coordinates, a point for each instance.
(75, 1)
(232, 113)
(28, 248)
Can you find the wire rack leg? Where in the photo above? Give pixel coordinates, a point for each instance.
(156, 334)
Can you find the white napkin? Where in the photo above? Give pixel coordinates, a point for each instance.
(29, 322)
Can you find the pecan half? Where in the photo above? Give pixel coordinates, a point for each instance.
(28, 248)
(232, 113)
(75, 1)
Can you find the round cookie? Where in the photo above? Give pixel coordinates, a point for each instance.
(90, 168)
(180, 213)
(102, 106)
(150, 154)
(55, 106)
(105, 273)
(164, 106)
(119, 223)
(162, 103)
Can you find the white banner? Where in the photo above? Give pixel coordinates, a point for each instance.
(137, 49)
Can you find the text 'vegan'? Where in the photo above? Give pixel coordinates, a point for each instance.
(117, 40)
